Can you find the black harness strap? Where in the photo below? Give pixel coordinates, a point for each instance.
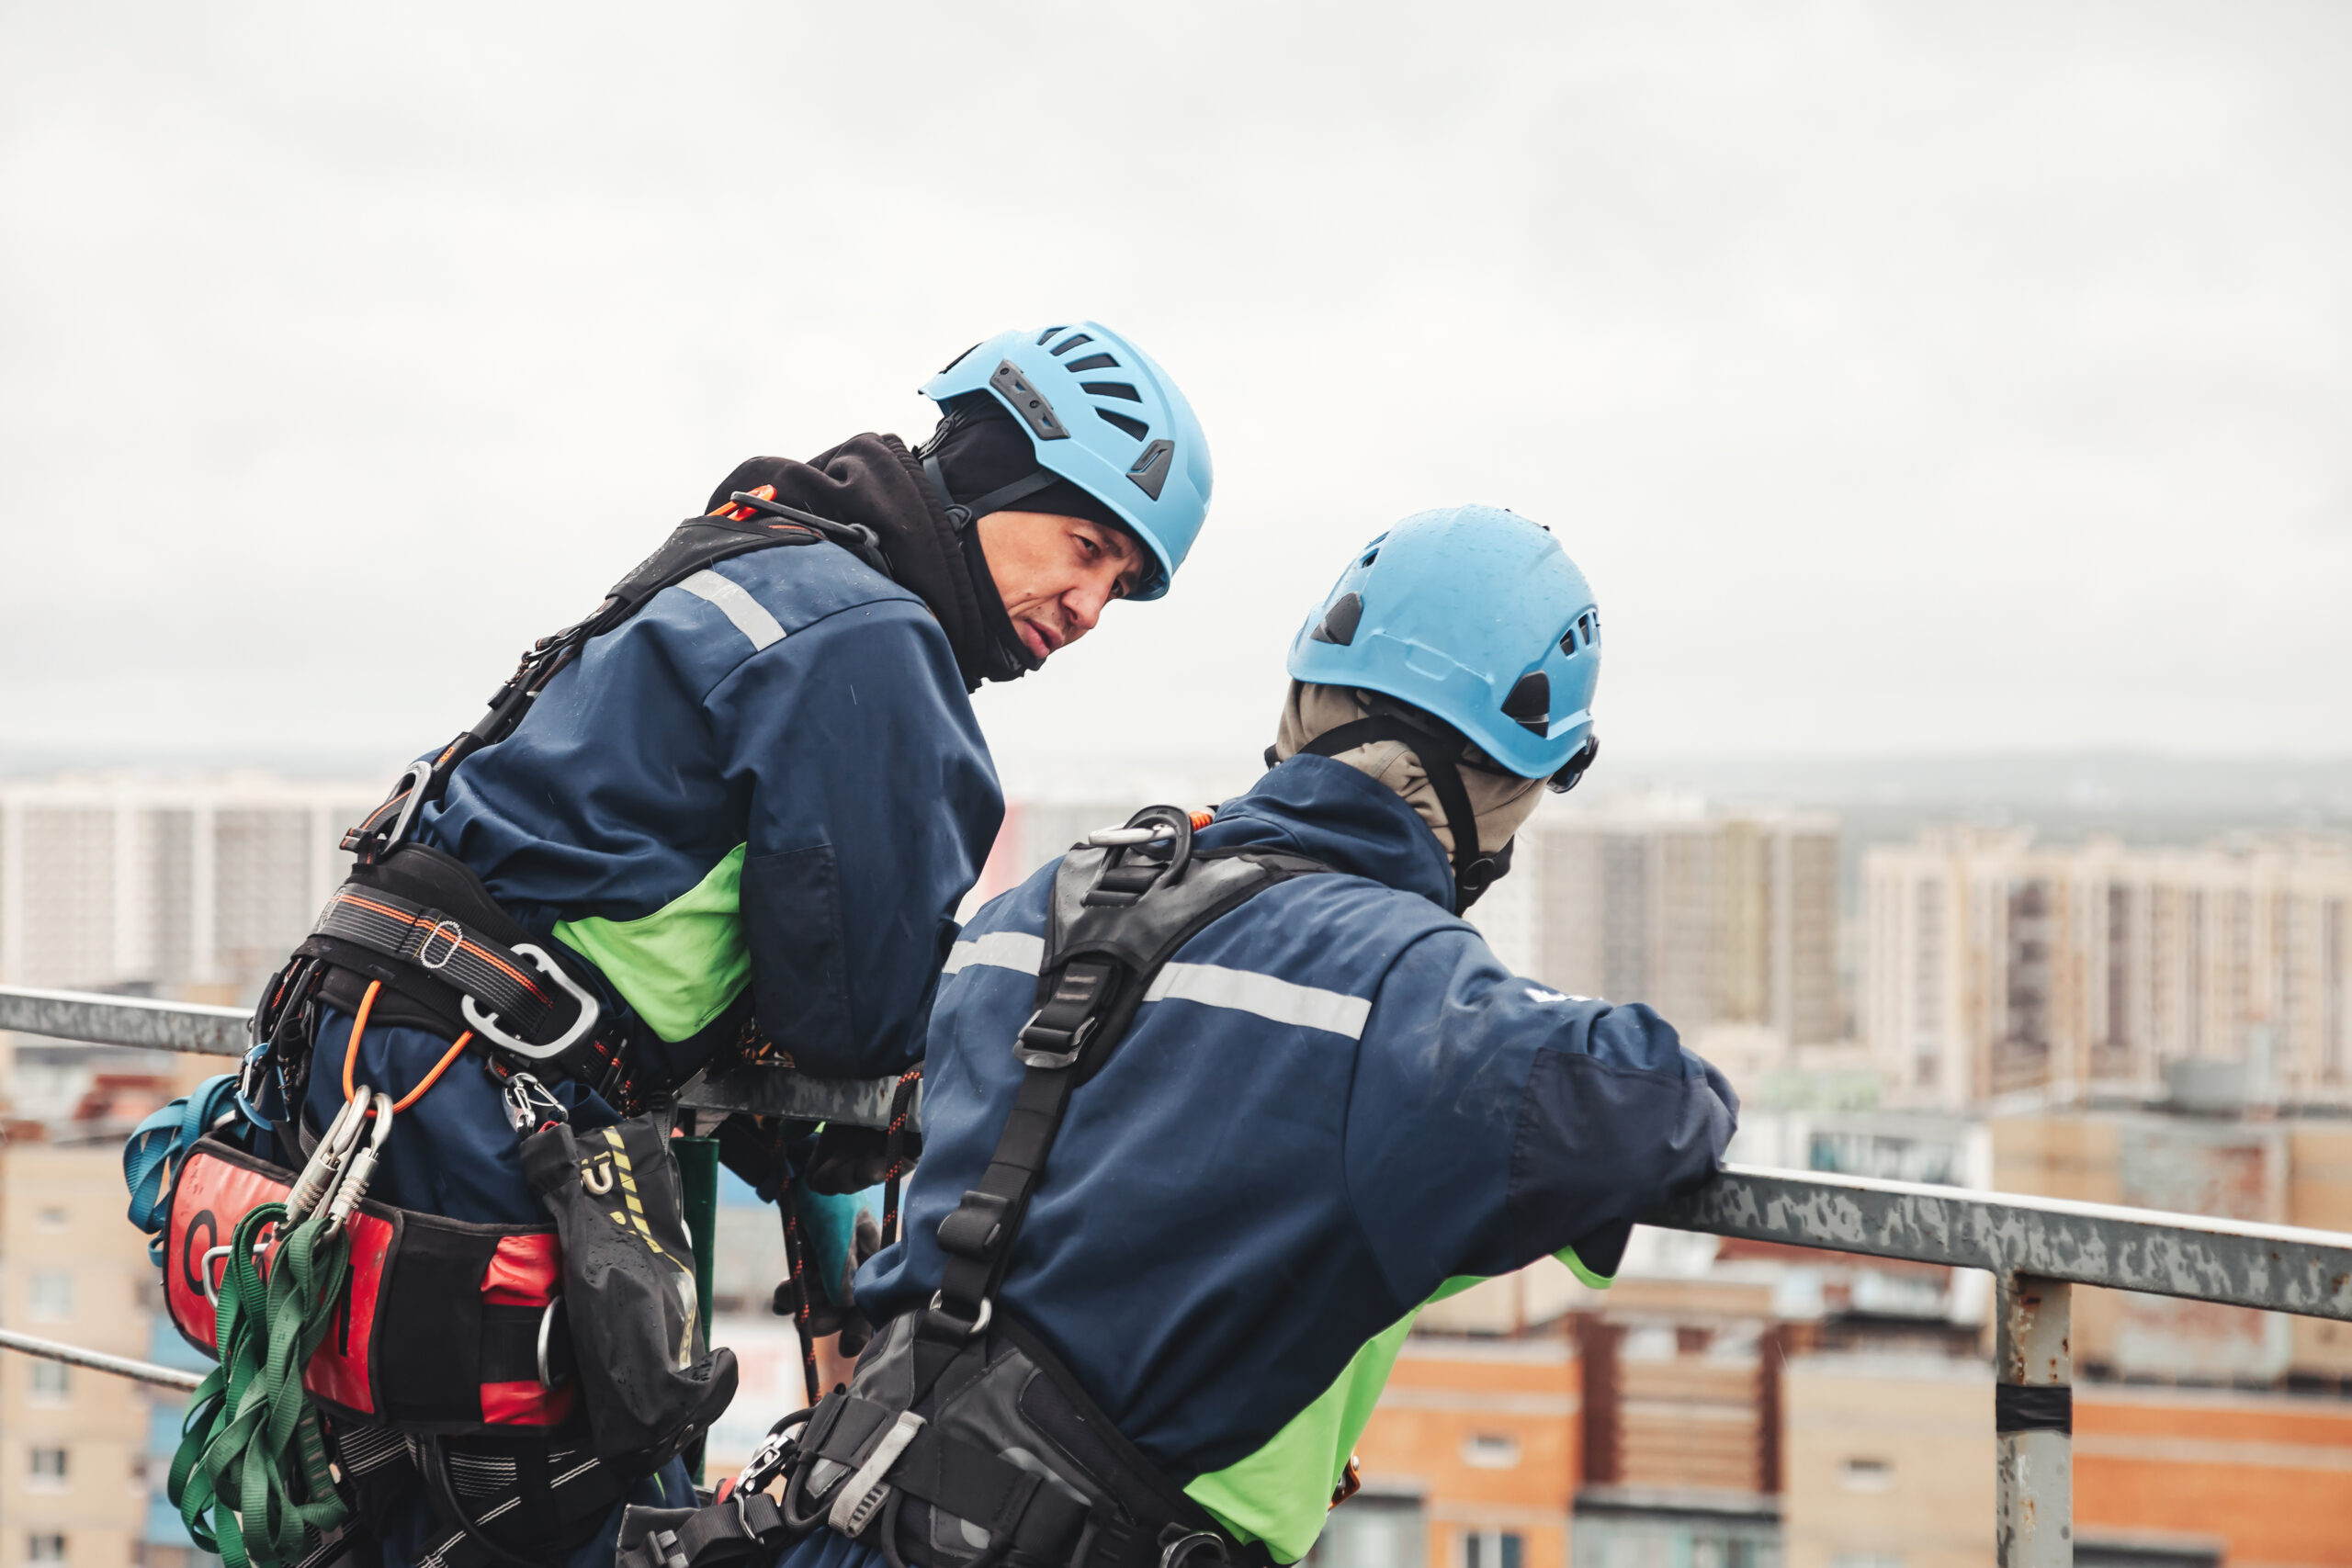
(1117, 916)
(408, 932)
(695, 544)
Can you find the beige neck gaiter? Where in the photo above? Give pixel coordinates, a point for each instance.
(1501, 801)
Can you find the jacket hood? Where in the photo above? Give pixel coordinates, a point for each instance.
(1327, 811)
(873, 479)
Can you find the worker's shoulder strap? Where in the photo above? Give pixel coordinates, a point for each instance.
(1119, 914)
(695, 544)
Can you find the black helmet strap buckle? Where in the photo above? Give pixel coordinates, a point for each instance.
(962, 514)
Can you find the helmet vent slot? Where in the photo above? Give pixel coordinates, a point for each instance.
(1094, 361)
(1149, 471)
(1339, 622)
(1046, 335)
(1028, 402)
(1062, 348)
(1112, 390)
(1134, 427)
(1530, 702)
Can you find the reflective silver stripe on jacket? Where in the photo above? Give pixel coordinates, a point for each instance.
(1208, 984)
(751, 617)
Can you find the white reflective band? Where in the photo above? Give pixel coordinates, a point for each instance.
(751, 617)
(1210, 984)
(998, 950)
(1244, 990)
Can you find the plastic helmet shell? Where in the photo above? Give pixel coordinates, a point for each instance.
(1104, 416)
(1475, 614)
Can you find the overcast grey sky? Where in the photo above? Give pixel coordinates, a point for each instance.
(1906, 378)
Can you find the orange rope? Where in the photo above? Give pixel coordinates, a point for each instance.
(351, 1056)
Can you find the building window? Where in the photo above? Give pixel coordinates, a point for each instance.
(52, 1295)
(1491, 1548)
(44, 1548)
(48, 1469)
(52, 1382)
(1491, 1450)
(1864, 1474)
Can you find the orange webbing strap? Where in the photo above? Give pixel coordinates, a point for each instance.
(351, 1056)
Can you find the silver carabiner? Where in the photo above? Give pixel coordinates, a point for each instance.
(353, 1185)
(318, 1176)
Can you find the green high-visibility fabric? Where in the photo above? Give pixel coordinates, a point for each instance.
(1280, 1494)
(681, 966)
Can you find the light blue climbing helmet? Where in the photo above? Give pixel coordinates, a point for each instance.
(1105, 417)
(1478, 616)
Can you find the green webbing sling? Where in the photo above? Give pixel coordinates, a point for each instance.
(251, 1478)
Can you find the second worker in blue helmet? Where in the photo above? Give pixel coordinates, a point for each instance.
(1214, 1109)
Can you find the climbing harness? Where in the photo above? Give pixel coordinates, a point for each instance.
(377, 1333)
(963, 1441)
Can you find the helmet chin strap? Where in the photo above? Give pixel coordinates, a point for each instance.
(1440, 759)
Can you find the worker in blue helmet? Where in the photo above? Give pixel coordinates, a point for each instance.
(1218, 1103)
(729, 815)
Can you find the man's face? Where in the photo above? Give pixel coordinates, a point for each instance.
(1056, 573)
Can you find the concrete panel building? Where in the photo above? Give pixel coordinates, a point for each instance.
(187, 887)
(1712, 917)
(1993, 966)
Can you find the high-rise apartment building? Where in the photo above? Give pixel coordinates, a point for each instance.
(192, 887)
(1994, 965)
(1713, 917)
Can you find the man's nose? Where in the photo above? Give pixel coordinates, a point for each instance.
(1083, 604)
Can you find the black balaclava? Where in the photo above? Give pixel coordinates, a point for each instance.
(982, 461)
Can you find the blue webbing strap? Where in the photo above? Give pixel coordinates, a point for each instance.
(151, 1158)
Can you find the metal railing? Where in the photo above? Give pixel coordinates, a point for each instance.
(220, 1032)
(2036, 1248)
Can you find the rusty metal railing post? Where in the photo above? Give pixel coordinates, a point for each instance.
(2033, 1422)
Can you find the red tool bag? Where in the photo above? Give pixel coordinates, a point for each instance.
(444, 1326)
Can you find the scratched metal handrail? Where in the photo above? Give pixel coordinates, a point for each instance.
(2036, 1248)
(200, 1030)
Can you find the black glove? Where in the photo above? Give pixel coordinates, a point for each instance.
(851, 1159)
(832, 1304)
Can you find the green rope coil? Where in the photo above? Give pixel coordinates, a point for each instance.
(251, 1478)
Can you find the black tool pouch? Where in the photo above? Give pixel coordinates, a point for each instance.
(649, 1382)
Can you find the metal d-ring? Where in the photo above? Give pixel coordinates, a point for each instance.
(547, 1330)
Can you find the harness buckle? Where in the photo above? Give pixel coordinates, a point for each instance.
(1034, 1056)
(486, 1024)
(865, 1493)
(962, 1330)
(449, 931)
